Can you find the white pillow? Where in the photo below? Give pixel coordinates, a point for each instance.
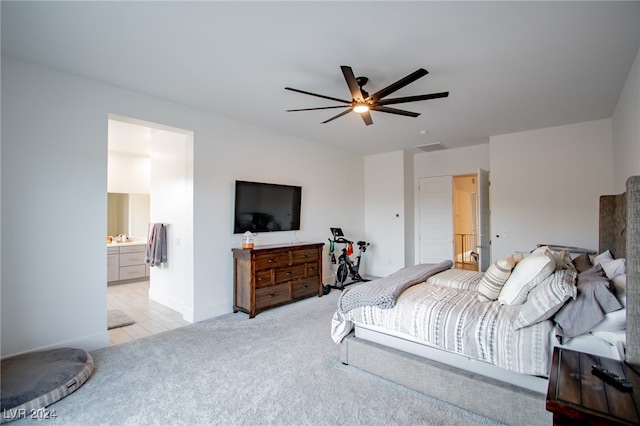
(527, 274)
(621, 288)
(604, 256)
(614, 267)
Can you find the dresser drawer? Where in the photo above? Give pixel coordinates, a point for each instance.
(272, 260)
(129, 272)
(290, 273)
(302, 256)
(264, 278)
(273, 295)
(313, 269)
(305, 288)
(133, 248)
(135, 258)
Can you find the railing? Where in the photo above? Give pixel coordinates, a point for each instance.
(464, 249)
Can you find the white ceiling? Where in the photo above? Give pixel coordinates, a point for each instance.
(509, 66)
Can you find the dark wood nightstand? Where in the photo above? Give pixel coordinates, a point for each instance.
(577, 396)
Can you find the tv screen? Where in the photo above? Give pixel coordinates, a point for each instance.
(266, 207)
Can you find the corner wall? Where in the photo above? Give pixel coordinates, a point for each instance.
(545, 186)
(54, 209)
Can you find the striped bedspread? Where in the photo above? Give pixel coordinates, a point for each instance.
(445, 313)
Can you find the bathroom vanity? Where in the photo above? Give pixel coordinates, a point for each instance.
(125, 262)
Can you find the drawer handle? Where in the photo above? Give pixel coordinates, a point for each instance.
(305, 286)
(273, 294)
(289, 273)
(272, 260)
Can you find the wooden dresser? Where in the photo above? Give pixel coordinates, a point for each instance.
(268, 276)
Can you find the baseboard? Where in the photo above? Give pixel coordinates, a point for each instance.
(166, 300)
(88, 343)
(202, 314)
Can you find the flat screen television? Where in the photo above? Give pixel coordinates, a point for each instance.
(266, 207)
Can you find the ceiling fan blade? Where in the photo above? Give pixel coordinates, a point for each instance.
(350, 78)
(413, 98)
(320, 96)
(366, 117)
(399, 84)
(395, 111)
(312, 109)
(337, 116)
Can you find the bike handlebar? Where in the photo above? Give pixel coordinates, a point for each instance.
(342, 240)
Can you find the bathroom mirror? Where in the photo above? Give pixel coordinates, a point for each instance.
(127, 214)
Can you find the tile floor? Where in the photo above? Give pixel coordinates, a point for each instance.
(151, 317)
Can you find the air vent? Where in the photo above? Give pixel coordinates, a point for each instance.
(431, 147)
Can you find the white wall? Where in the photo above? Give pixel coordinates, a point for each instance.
(451, 162)
(409, 211)
(128, 173)
(545, 186)
(172, 205)
(385, 212)
(626, 130)
(54, 172)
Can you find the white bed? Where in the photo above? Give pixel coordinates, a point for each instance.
(386, 343)
(442, 319)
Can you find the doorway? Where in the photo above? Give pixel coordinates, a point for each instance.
(151, 162)
(453, 220)
(465, 222)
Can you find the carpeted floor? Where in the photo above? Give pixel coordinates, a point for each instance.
(280, 368)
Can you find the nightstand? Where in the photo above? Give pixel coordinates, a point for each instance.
(576, 396)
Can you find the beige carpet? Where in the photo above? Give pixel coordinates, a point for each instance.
(279, 368)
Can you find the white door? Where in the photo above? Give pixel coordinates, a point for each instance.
(435, 219)
(484, 220)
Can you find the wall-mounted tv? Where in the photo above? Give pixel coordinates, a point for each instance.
(266, 207)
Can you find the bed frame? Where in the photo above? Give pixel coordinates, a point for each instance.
(483, 390)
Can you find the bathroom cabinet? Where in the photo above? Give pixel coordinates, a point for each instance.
(125, 262)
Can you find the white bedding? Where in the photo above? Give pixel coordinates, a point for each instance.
(459, 323)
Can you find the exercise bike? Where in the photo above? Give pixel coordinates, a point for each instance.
(346, 267)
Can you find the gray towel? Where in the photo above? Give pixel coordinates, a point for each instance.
(156, 250)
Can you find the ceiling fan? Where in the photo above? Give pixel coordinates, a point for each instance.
(362, 103)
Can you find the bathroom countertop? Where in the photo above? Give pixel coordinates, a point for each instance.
(130, 243)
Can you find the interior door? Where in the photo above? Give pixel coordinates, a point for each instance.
(435, 219)
(484, 220)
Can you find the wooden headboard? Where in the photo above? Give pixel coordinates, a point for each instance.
(620, 233)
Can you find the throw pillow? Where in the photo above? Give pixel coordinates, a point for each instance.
(547, 298)
(582, 262)
(527, 274)
(614, 267)
(495, 277)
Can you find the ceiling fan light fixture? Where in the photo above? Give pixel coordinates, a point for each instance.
(360, 108)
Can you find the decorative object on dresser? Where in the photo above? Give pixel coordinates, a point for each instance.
(269, 276)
